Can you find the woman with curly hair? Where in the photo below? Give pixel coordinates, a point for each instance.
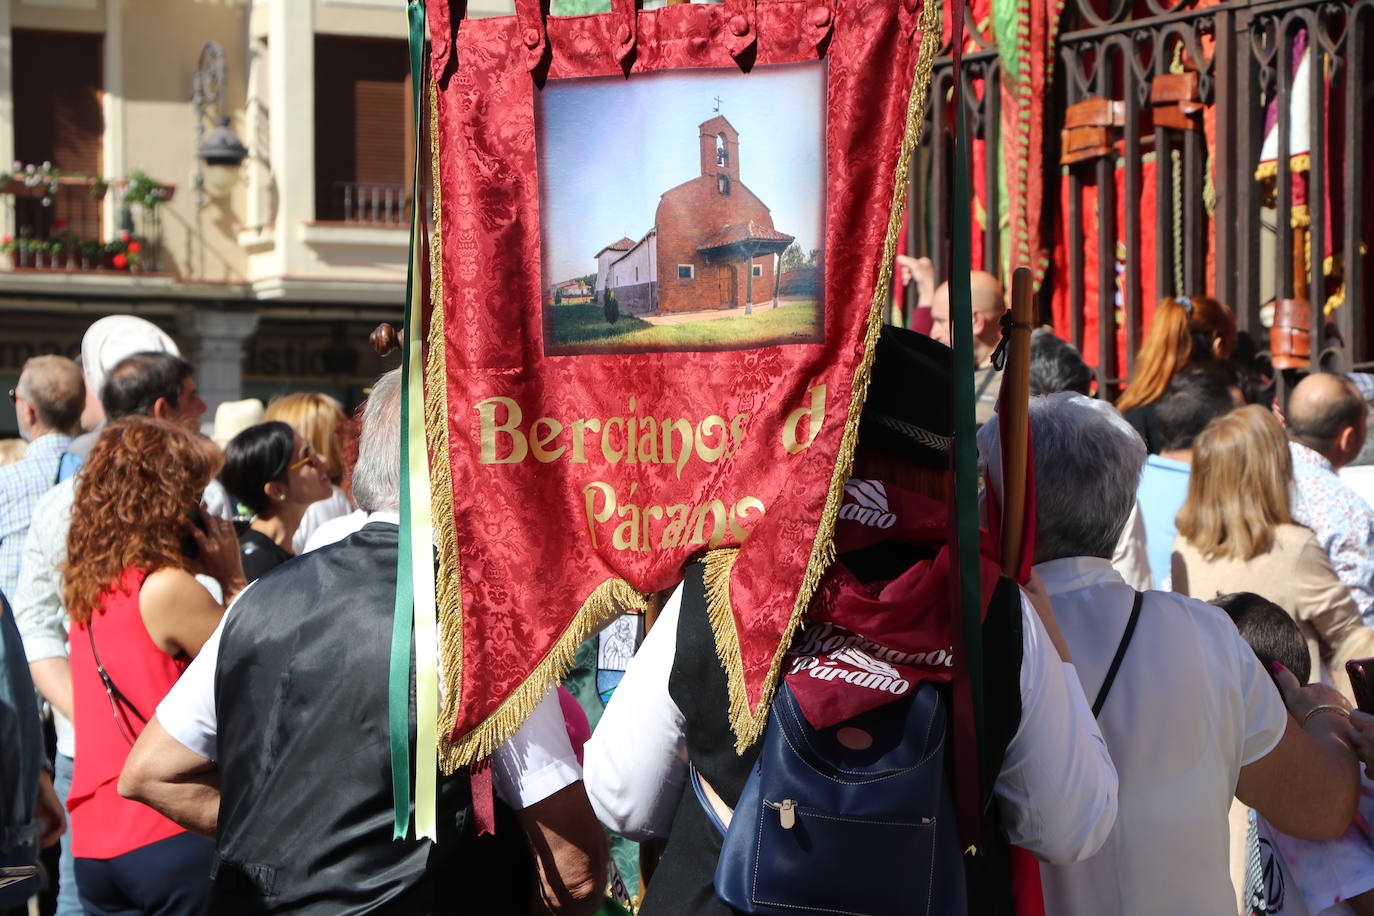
(1184, 330)
(321, 421)
(138, 618)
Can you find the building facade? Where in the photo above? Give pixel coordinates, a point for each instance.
(712, 245)
(271, 280)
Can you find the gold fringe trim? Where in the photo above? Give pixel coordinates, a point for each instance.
(748, 724)
(608, 600)
(1301, 162)
(448, 591)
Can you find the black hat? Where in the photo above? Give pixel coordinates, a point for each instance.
(909, 413)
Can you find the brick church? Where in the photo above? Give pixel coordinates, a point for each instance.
(712, 245)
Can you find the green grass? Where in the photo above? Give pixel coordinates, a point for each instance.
(585, 324)
(580, 7)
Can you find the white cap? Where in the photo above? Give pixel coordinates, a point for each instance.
(233, 417)
(114, 338)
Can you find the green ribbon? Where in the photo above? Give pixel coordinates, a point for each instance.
(403, 622)
(965, 430)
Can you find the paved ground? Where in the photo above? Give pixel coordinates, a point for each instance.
(710, 314)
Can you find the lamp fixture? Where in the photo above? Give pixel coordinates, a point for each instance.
(219, 152)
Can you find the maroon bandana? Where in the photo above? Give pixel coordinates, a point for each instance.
(866, 644)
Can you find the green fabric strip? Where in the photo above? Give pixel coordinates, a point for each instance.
(398, 685)
(421, 509)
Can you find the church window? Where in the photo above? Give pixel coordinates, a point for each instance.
(722, 154)
(758, 270)
(686, 272)
(723, 183)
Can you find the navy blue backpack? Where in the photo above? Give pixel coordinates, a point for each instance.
(863, 826)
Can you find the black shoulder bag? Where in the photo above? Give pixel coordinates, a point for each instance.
(1120, 654)
(118, 701)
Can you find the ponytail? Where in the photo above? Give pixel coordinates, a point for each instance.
(1182, 329)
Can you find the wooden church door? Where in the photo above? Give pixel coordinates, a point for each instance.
(725, 279)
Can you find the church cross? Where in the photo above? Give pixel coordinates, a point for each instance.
(717, 101)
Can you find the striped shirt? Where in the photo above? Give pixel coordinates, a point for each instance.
(21, 483)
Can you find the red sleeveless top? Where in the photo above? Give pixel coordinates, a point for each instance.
(103, 824)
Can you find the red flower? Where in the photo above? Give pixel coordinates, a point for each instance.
(135, 247)
(124, 236)
(6, 240)
(59, 224)
(121, 261)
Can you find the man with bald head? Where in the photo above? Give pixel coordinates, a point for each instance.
(1328, 421)
(988, 306)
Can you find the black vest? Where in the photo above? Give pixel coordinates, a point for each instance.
(683, 882)
(305, 821)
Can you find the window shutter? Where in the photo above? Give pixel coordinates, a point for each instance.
(362, 141)
(58, 119)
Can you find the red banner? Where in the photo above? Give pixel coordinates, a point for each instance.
(664, 243)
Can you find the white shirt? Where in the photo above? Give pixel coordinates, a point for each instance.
(334, 506)
(1057, 788)
(1131, 557)
(336, 529)
(1359, 478)
(1190, 706)
(536, 762)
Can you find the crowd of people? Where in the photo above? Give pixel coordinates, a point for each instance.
(1169, 725)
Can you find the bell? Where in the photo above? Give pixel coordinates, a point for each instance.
(1290, 336)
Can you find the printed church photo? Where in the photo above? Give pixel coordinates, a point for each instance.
(726, 243)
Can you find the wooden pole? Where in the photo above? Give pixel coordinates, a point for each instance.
(1016, 432)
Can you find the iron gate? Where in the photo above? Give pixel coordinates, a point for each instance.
(1148, 78)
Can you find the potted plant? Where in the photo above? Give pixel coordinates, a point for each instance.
(41, 179)
(90, 253)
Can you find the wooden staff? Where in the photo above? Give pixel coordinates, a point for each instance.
(1015, 438)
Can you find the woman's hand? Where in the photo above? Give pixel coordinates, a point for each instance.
(219, 554)
(1301, 699)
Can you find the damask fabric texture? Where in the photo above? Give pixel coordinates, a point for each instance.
(613, 458)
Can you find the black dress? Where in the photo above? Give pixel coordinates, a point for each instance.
(260, 554)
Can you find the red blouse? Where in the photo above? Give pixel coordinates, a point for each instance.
(103, 824)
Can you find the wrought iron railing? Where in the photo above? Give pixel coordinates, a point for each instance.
(1148, 80)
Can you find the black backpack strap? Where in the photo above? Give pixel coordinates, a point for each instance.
(1120, 654)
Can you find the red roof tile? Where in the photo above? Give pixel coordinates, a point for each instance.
(739, 232)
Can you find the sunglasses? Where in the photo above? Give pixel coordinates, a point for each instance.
(310, 456)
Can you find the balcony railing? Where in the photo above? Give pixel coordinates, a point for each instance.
(367, 203)
(61, 228)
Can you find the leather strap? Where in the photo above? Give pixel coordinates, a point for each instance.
(1120, 654)
(717, 811)
(117, 698)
